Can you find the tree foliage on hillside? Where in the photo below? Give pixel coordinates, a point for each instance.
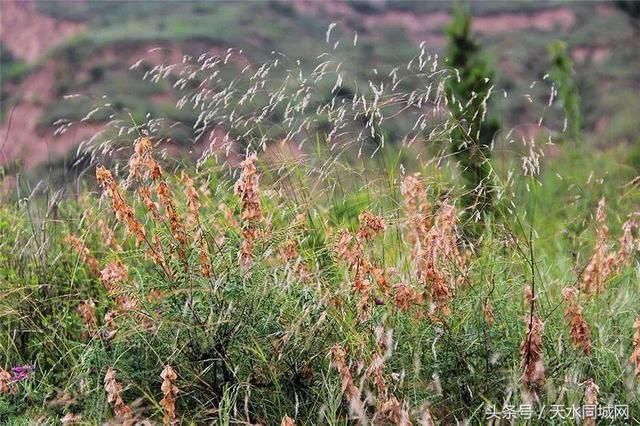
(562, 76)
(468, 92)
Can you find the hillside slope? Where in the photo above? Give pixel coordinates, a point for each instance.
(65, 48)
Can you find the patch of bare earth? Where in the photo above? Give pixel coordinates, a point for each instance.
(546, 20)
(20, 139)
(27, 33)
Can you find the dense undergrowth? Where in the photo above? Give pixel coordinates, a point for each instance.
(274, 300)
(334, 284)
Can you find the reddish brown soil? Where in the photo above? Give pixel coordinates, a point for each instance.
(29, 34)
(428, 26)
(21, 139)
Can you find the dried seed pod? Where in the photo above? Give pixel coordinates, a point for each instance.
(85, 255)
(635, 353)
(170, 392)
(113, 389)
(87, 310)
(578, 327)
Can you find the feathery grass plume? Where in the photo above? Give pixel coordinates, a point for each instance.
(578, 327)
(85, 255)
(123, 212)
(123, 412)
(5, 380)
(170, 392)
(137, 162)
(487, 309)
(108, 235)
(249, 235)
(246, 187)
(601, 264)
(635, 353)
(533, 376)
(87, 310)
(371, 226)
(287, 421)
(351, 392)
(418, 213)
(590, 399)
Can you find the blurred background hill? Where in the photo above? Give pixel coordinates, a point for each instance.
(51, 50)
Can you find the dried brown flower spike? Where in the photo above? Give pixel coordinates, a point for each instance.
(123, 212)
(122, 411)
(635, 354)
(87, 310)
(488, 312)
(533, 376)
(351, 392)
(170, 392)
(193, 200)
(5, 378)
(418, 214)
(602, 262)
(590, 399)
(370, 225)
(287, 421)
(579, 329)
(85, 255)
(247, 189)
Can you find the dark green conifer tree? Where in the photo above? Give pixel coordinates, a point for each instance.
(468, 92)
(562, 76)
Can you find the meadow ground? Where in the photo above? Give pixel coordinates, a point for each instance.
(337, 282)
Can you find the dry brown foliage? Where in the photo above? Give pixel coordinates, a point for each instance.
(124, 213)
(635, 353)
(85, 255)
(602, 262)
(578, 327)
(351, 391)
(590, 399)
(113, 389)
(533, 376)
(247, 189)
(5, 378)
(87, 310)
(287, 421)
(170, 392)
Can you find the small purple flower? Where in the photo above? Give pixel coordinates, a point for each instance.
(21, 372)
